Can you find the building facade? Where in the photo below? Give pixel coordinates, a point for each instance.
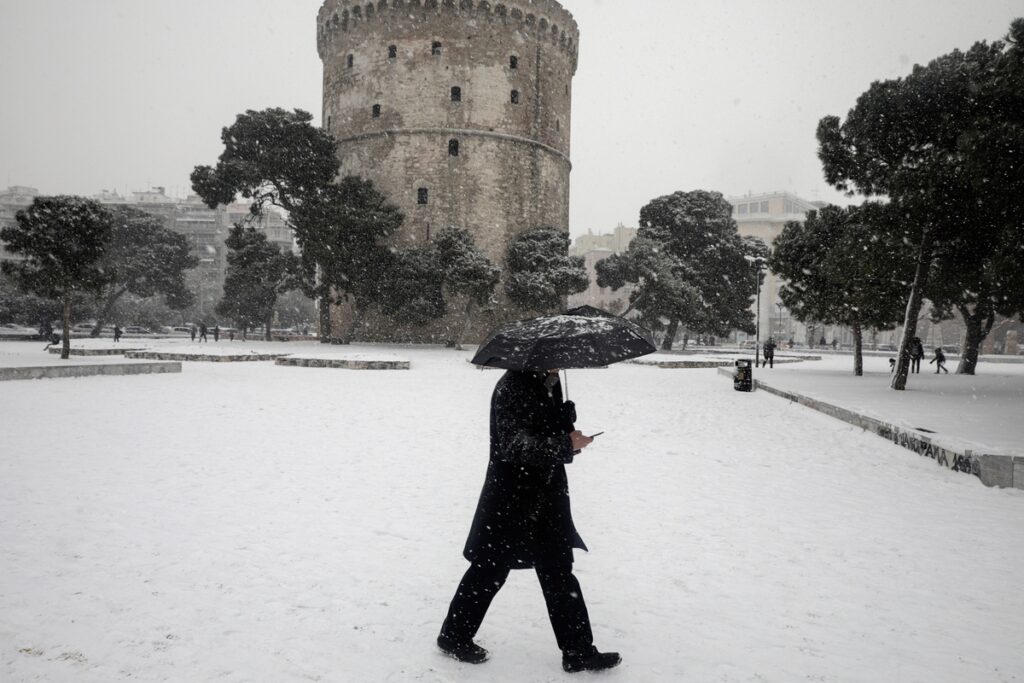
(594, 249)
(13, 200)
(459, 112)
(764, 216)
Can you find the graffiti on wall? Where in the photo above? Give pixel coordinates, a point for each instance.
(957, 462)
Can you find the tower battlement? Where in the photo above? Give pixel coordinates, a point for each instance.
(545, 19)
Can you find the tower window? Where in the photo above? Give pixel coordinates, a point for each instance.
(350, 60)
(456, 94)
(392, 51)
(515, 97)
(513, 62)
(376, 111)
(421, 195)
(328, 123)
(435, 48)
(453, 148)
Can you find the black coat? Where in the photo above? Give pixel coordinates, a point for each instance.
(523, 517)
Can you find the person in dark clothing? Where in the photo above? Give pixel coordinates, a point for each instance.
(523, 520)
(231, 335)
(916, 354)
(202, 333)
(939, 360)
(769, 352)
(117, 333)
(216, 333)
(192, 332)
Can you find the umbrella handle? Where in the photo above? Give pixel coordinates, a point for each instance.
(565, 386)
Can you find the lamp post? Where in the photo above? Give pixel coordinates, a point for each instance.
(758, 263)
(778, 305)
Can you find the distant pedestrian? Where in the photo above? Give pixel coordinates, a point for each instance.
(939, 360)
(916, 354)
(231, 334)
(769, 352)
(192, 332)
(117, 333)
(216, 333)
(822, 343)
(835, 343)
(892, 365)
(202, 332)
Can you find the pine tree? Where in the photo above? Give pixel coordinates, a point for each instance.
(842, 267)
(690, 266)
(144, 259)
(62, 241)
(540, 272)
(257, 273)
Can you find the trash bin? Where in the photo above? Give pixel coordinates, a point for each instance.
(743, 379)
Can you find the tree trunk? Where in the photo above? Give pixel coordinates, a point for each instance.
(268, 321)
(325, 320)
(924, 263)
(979, 324)
(465, 324)
(670, 335)
(65, 349)
(858, 356)
(357, 320)
(104, 312)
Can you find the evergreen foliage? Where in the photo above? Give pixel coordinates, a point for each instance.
(257, 273)
(62, 241)
(540, 272)
(467, 274)
(843, 267)
(276, 157)
(689, 265)
(144, 259)
(944, 145)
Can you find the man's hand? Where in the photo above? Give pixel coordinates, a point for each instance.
(579, 440)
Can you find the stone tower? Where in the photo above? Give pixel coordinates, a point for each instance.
(459, 112)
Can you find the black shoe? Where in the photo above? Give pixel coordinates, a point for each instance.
(468, 652)
(591, 660)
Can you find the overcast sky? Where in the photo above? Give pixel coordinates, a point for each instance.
(670, 94)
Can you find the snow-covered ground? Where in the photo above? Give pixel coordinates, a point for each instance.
(984, 412)
(252, 522)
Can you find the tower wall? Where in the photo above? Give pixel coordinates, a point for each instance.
(512, 169)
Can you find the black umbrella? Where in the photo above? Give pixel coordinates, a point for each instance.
(584, 337)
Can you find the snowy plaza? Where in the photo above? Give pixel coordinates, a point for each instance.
(255, 522)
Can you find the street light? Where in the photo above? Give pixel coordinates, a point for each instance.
(778, 304)
(758, 263)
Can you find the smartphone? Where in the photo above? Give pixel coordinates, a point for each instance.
(595, 435)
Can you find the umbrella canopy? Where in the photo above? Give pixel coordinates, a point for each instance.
(584, 337)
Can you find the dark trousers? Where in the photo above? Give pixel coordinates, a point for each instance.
(769, 360)
(482, 581)
(915, 364)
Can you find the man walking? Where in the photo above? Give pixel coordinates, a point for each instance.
(769, 352)
(916, 354)
(202, 333)
(216, 333)
(523, 520)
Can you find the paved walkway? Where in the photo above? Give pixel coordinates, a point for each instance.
(982, 412)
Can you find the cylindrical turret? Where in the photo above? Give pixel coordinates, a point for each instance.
(457, 110)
